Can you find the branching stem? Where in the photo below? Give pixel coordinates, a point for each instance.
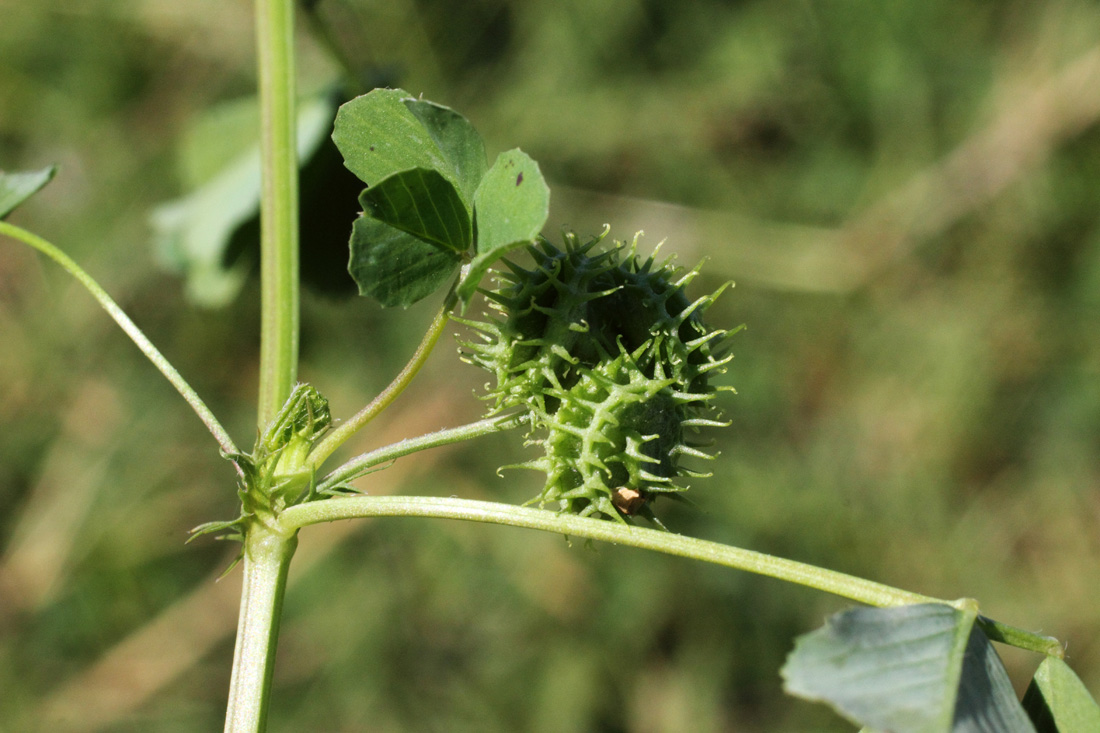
(267, 553)
(361, 465)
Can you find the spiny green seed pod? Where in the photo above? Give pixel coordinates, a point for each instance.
(612, 360)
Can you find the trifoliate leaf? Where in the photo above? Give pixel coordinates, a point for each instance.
(394, 267)
(192, 234)
(15, 188)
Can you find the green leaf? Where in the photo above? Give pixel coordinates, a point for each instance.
(909, 669)
(510, 208)
(387, 132)
(423, 203)
(219, 135)
(986, 700)
(15, 188)
(394, 267)
(378, 136)
(194, 234)
(1058, 702)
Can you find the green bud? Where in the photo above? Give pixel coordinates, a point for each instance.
(304, 416)
(281, 456)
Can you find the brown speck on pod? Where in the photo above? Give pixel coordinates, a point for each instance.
(627, 500)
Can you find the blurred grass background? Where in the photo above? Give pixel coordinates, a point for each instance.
(907, 194)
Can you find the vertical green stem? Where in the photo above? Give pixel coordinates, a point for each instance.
(266, 562)
(279, 205)
(267, 552)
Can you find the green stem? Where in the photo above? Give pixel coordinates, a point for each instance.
(267, 557)
(857, 589)
(131, 329)
(340, 435)
(1020, 638)
(267, 551)
(278, 206)
(830, 581)
(361, 465)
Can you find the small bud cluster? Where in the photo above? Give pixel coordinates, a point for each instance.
(277, 473)
(613, 362)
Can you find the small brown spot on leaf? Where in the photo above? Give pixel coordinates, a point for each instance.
(519, 179)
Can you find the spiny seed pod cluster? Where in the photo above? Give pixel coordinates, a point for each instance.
(613, 363)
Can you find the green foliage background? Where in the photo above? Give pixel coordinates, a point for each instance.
(907, 194)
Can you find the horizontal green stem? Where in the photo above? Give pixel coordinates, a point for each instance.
(857, 589)
(360, 465)
(340, 435)
(830, 581)
(1020, 638)
(131, 329)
